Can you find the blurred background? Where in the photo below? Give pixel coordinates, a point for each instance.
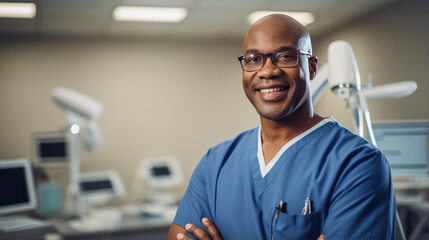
(174, 89)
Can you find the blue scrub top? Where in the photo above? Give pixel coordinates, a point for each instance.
(346, 178)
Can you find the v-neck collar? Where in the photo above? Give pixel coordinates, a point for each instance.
(261, 183)
(264, 169)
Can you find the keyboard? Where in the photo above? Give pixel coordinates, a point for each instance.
(11, 224)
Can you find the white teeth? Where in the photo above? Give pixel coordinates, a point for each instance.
(270, 90)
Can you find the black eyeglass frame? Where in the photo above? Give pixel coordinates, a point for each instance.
(264, 59)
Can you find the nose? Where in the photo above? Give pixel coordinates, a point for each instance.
(269, 70)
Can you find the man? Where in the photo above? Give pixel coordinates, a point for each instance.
(297, 176)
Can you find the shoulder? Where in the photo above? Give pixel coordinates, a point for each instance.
(343, 139)
(241, 139)
(348, 149)
(218, 154)
(354, 155)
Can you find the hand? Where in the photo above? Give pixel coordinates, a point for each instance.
(321, 237)
(199, 233)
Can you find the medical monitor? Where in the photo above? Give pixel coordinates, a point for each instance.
(99, 187)
(16, 186)
(52, 148)
(404, 143)
(161, 172)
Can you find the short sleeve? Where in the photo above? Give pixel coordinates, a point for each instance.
(194, 204)
(363, 203)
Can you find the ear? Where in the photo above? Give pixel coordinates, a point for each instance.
(312, 64)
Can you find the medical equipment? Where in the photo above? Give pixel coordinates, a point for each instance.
(342, 73)
(95, 189)
(17, 195)
(162, 174)
(405, 145)
(52, 148)
(100, 187)
(81, 112)
(16, 186)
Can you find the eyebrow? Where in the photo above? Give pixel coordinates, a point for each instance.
(285, 48)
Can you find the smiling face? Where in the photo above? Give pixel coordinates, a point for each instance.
(277, 93)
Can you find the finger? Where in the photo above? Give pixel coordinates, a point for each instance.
(199, 233)
(182, 236)
(212, 229)
(321, 237)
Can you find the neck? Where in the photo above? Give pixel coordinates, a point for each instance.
(285, 129)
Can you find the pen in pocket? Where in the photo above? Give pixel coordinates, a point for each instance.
(307, 207)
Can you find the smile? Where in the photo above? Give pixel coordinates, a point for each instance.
(270, 90)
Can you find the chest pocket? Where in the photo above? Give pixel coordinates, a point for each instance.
(305, 227)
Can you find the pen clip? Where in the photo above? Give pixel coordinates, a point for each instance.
(280, 208)
(307, 207)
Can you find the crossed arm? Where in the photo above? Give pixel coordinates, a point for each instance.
(177, 232)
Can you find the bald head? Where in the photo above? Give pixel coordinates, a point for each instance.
(279, 26)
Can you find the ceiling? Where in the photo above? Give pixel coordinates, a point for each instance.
(207, 19)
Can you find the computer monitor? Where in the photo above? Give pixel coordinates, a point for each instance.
(404, 143)
(100, 187)
(52, 148)
(161, 172)
(16, 186)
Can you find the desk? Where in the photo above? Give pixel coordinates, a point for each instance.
(29, 234)
(410, 183)
(412, 198)
(130, 228)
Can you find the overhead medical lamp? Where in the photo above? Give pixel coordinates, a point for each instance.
(81, 112)
(342, 74)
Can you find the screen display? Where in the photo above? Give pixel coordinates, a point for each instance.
(159, 171)
(405, 147)
(53, 148)
(13, 186)
(97, 185)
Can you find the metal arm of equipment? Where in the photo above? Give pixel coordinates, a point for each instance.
(80, 111)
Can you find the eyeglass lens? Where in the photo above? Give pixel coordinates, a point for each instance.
(255, 61)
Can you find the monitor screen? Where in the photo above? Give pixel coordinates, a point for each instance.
(52, 148)
(96, 185)
(16, 186)
(160, 171)
(99, 187)
(405, 146)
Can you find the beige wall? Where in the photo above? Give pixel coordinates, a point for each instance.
(160, 98)
(181, 107)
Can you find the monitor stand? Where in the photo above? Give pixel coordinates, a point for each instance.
(161, 204)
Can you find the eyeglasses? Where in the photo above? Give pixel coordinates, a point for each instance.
(283, 59)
